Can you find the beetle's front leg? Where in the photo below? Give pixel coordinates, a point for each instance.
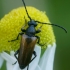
(38, 31)
(39, 41)
(17, 37)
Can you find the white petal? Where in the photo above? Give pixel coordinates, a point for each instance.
(16, 67)
(9, 66)
(1, 61)
(12, 53)
(38, 67)
(46, 62)
(8, 57)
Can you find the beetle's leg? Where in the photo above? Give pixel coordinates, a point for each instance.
(34, 56)
(16, 53)
(25, 20)
(39, 41)
(27, 67)
(17, 37)
(23, 30)
(39, 29)
(16, 56)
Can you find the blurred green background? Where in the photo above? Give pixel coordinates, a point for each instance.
(58, 12)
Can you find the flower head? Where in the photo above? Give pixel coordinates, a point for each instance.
(10, 26)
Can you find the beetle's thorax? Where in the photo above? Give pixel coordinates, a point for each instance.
(31, 31)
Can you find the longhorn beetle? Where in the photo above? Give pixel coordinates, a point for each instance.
(28, 41)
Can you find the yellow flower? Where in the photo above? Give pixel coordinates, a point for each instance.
(11, 24)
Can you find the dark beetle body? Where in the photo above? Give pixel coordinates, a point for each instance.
(27, 45)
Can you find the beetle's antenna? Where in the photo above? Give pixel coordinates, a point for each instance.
(26, 10)
(53, 25)
(42, 22)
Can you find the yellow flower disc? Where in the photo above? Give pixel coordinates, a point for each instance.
(11, 24)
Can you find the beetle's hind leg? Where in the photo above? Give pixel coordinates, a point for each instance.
(27, 67)
(16, 56)
(34, 56)
(16, 38)
(34, 53)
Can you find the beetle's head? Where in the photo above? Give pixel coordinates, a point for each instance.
(32, 22)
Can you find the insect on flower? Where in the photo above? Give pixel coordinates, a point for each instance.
(28, 41)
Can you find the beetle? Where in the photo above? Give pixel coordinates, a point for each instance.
(28, 41)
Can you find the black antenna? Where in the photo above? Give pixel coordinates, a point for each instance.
(42, 22)
(53, 25)
(26, 10)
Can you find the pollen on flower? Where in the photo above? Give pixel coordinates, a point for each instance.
(11, 24)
